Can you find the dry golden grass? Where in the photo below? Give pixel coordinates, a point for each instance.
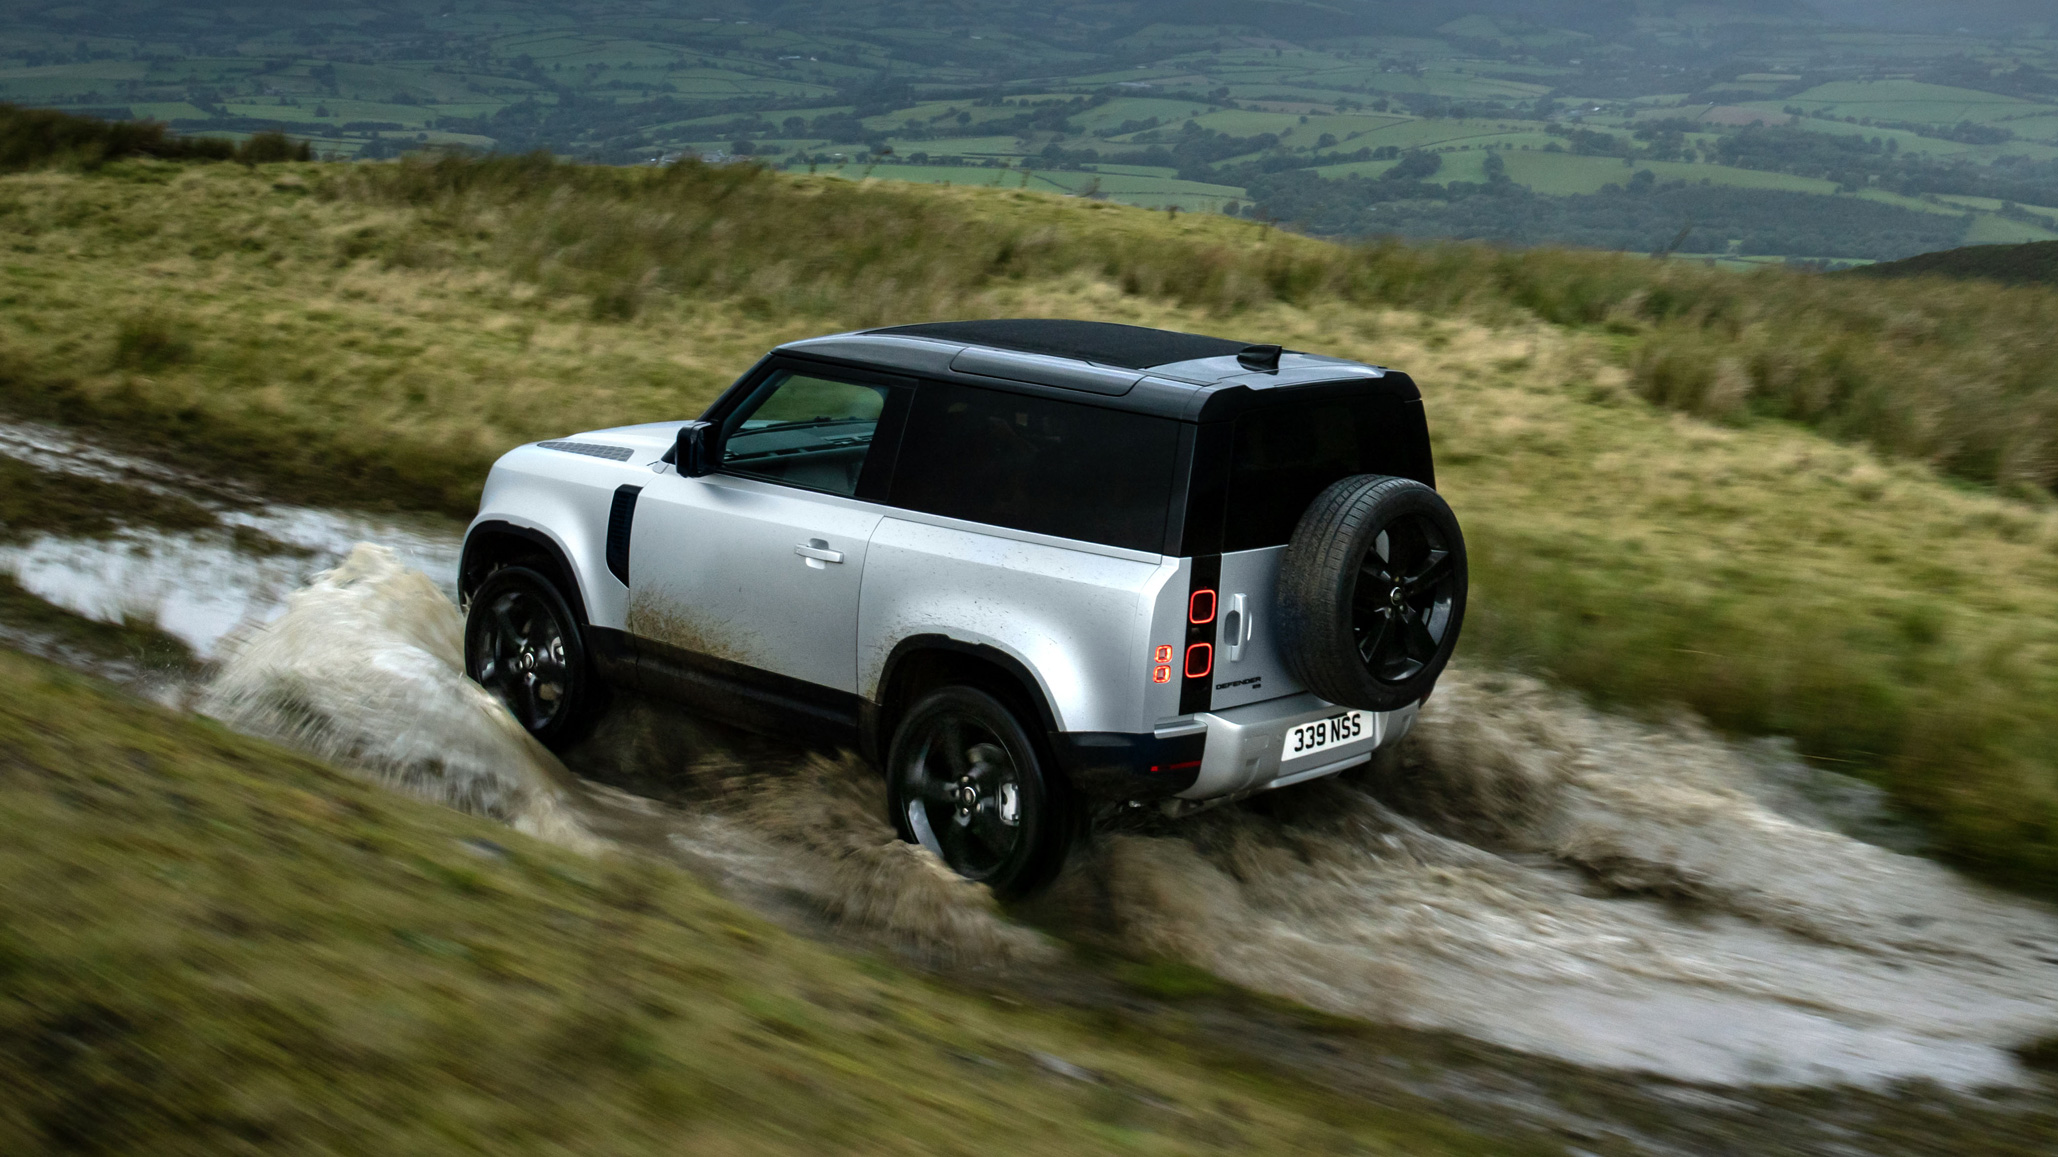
(381, 335)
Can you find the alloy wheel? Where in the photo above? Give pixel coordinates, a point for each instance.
(522, 660)
(1401, 607)
(964, 797)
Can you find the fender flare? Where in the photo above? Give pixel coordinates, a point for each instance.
(875, 721)
(567, 575)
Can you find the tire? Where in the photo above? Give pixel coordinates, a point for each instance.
(966, 781)
(522, 642)
(1372, 593)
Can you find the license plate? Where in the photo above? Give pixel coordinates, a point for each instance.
(1312, 738)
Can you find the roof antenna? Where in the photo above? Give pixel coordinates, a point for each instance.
(1260, 357)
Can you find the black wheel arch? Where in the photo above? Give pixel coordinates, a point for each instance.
(921, 663)
(492, 545)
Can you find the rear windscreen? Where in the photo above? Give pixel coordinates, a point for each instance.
(1285, 455)
(1038, 464)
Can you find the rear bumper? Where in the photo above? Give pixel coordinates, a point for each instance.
(1115, 765)
(1218, 753)
(1243, 744)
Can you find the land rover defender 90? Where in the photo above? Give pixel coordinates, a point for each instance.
(1026, 567)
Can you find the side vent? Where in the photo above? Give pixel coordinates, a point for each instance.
(619, 519)
(592, 450)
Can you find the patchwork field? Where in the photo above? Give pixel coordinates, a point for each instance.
(1889, 114)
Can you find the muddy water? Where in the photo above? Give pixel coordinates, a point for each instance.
(1532, 873)
(1524, 871)
(200, 585)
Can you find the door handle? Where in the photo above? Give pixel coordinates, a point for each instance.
(1236, 627)
(817, 553)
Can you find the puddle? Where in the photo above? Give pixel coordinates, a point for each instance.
(200, 585)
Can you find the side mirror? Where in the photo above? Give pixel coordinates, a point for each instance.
(693, 454)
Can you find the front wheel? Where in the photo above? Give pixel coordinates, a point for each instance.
(966, 782)
(521, 642)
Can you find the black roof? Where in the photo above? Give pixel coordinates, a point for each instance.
(1128, 346)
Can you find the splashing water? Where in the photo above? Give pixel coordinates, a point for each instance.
(366, 668)
(1526, 871)
(1639, 907)
(810, 828)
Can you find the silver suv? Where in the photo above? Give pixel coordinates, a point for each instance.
(1030, 568)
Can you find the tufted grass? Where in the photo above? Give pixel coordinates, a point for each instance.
(1642, 530)
(210, 945)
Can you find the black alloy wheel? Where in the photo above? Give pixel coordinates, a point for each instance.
(1402, 608)
(966, 782)
(1372, 593)
(522, 643)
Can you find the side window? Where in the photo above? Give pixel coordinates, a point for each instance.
(1037, 464)
(804, 431)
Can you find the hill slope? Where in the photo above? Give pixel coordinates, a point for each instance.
(383, 332)
(210, 945)
(2032, 264)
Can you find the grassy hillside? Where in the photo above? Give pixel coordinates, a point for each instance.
(2033, 264)
(209, 945)
(380, 333)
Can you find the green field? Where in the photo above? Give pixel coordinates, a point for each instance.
(1997, 231)
(1908, 100)
(1564, 173)
(994, 79)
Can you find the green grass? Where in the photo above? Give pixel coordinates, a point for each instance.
(381, 333)
(33, 500)
(2000, 231)
(209, 945)
(1565, 174)
(1909, 100)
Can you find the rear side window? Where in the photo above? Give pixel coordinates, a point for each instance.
(1285, 455)
(1037, 464)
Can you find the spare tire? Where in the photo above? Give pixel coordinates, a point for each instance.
(1371, 592)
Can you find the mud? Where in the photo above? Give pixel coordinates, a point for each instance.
(1523, 870)
(197, 577)
(802, 832)
(1597, 894)
(1530, 872)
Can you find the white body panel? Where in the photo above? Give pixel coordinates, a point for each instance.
(566, 498)
(1248, 666)
(752, 572)
(1078, 616)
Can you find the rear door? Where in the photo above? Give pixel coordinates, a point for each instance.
(1280, 456)
(760, 563)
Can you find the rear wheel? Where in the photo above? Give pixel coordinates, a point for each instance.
(521, 642)
(966, 781)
